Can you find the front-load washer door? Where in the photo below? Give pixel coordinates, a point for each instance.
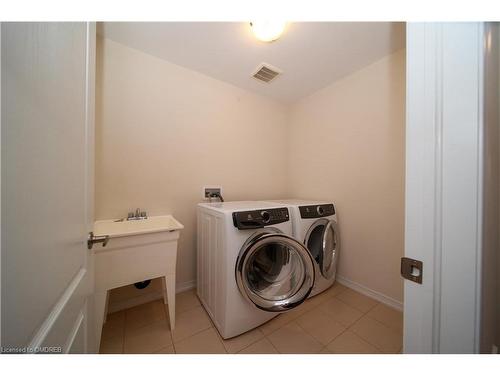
(274, 271)
(323, 241)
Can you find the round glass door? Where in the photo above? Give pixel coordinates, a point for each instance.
(274, 271)
(322, 240)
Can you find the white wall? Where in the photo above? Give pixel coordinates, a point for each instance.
(346, 144)
(163, 132)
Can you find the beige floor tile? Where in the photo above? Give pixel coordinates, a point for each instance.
(340, 312)
(262, 346)
(146, 314)
(205, 342)
(190, 322)
(111, 346)
(383, 338)
(349, 343)
(318, 299)
(388, 316)
(275, 323)
(114, 326)
(186, 301)
(335, 289)
(235, 344)
(293, 339)
(357, 300)
(293, 314)
(116, 316)
(148, 339)
(304, 307)
(167, 350)
(320, 325)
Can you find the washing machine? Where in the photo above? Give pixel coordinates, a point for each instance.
(315, 224)
(249, 266)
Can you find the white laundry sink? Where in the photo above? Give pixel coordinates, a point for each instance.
(114, 228)
(137, 250)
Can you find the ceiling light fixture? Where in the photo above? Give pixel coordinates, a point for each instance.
(268, 31)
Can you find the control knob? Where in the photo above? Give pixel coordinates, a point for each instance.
(266, 216)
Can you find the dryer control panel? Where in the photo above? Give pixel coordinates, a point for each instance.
(260, 218)
(316, 210)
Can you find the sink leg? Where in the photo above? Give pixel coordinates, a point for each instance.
(106, 304)
(164, 286)
(100, 308)
(170, 281)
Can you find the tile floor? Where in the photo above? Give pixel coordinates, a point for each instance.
(339, 320)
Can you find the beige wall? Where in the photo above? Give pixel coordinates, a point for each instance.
(346, 144)
(163, 132)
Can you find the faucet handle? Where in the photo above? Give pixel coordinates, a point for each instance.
(143, 214)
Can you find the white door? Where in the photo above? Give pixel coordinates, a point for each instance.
(444, 177)
(47, 186)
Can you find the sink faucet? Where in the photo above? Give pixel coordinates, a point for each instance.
(139, 215)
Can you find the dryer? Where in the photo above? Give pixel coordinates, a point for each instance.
(315, 224)
(250, 267)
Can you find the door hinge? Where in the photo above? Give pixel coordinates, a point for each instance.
(412, 269)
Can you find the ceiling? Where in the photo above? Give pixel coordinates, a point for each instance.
(311, 54)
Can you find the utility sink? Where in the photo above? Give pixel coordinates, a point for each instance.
(137, 250)
(115, 228)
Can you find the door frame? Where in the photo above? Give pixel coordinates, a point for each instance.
(90, 79)
(444, 186)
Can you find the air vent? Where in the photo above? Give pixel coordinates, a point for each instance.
(266, 73)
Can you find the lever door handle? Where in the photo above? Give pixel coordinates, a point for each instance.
(96, 239)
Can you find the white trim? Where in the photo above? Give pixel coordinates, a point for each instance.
(149, 297)
(480, 199)
(74, 331)
(382, 298)
(435, 104)
(1, 180)
(185, 286)
(444, 158)
(91, 346)
(51, 319)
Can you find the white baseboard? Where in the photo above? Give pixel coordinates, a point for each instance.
(185, 286)
(370, 293)
(148, 297)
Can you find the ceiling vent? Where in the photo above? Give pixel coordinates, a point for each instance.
(266, 73)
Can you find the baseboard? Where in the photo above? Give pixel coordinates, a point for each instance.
(185, 286)
(370, 293)
(148, 297)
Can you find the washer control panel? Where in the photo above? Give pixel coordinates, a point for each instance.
(260, 218)
(316, 210)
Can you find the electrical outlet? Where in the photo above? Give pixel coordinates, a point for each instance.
(208, 191)
(494, 349)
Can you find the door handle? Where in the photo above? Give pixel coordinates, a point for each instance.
(96, 239)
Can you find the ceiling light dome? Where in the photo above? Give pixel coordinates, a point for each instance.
(268, 31)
